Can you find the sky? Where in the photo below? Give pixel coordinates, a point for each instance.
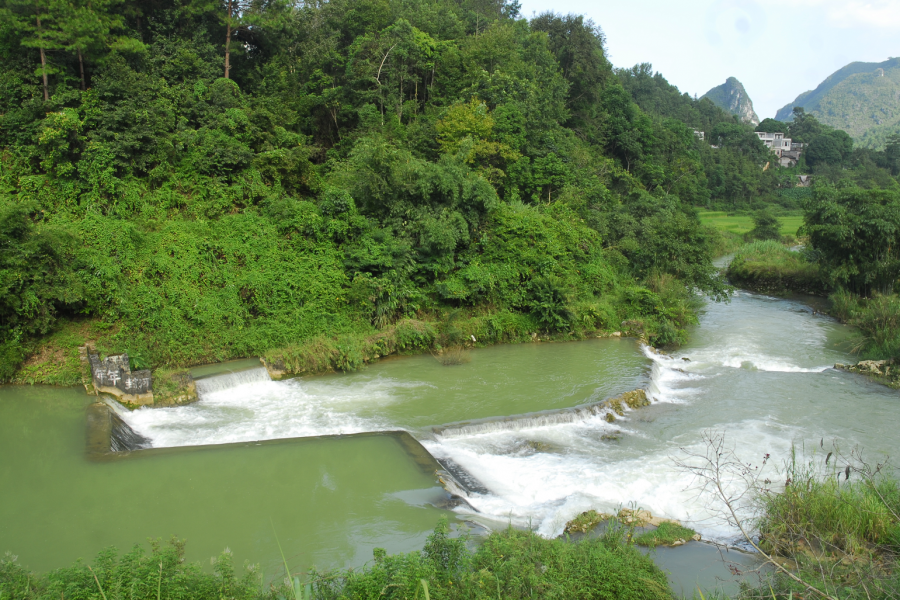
(776, 48)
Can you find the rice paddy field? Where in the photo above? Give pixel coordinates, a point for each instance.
(741, 224)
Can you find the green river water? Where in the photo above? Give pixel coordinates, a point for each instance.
(758, 370)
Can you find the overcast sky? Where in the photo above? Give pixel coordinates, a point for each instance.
(776, 48)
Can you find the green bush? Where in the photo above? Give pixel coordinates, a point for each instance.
(771, 266)
(508, 564)
(765, 226)
(838, 525)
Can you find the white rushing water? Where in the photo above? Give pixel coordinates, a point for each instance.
(758, 369)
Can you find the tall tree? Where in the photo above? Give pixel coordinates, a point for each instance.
(235, 12)
(82, 27)
(38, 20)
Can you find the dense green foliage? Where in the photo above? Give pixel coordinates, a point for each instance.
(851, 236)
(765, 226)
(855, 234)
(733, 169)
(878, 321)
(508, 564)
(360, 162)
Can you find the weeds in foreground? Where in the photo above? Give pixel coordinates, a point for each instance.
(832, 531)
(456, 355)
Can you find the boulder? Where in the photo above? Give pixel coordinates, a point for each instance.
(586, 521)
(644, 517)
(113, 375)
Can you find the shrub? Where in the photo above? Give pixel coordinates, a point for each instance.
(771, 266)
(765, 226)
(878, 320)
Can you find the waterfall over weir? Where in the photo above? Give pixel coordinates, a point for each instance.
(108, 433)
(218, 383)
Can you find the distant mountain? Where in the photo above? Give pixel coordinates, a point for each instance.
(863, 99)
(732, 97)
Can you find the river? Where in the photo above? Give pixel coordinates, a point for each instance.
(757, 369)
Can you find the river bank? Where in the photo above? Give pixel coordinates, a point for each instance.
(772, 268)
(63, 360)
(759, 369)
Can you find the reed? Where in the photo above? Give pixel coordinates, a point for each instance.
(455, 355)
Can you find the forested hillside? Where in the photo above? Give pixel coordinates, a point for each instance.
(195, 181)
(860, 98)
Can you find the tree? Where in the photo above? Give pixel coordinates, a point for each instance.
(38, 20)
(831, 148)
(765, 226)
(892, 153)
(804, 127)
(577, 45)
(772, 126)
(856, 233)
(234, 9)
(83, 26)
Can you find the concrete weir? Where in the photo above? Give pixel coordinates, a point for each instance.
(111, 438)
(107, 433)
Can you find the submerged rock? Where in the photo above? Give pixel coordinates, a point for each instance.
(642, 518)
(633, 399)
(586, 521)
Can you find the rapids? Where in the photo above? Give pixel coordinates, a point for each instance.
(518, 418)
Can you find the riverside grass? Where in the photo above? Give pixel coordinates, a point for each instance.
(837, 524)
(770, 266)
(666, 534)
(877, 318)
(509, 564)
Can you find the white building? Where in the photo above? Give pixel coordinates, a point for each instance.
(776, 141)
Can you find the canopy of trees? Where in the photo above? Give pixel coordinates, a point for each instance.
(221, 178)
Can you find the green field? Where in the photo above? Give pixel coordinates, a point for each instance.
(741, 224)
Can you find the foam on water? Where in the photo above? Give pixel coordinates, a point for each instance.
(264, 409)
(546, 489)
(755, 371)
(519, 423)
(219, 383)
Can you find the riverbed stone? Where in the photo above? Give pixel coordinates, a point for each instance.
(586, 521)
(644, 517)
(883, 371)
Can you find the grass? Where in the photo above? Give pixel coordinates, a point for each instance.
(878, 321)
(667, 534)
(837, 522)
(509, 564)
(769, 266)
(454, 355)
(740, 224)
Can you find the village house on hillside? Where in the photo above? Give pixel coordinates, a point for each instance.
(787, 151)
